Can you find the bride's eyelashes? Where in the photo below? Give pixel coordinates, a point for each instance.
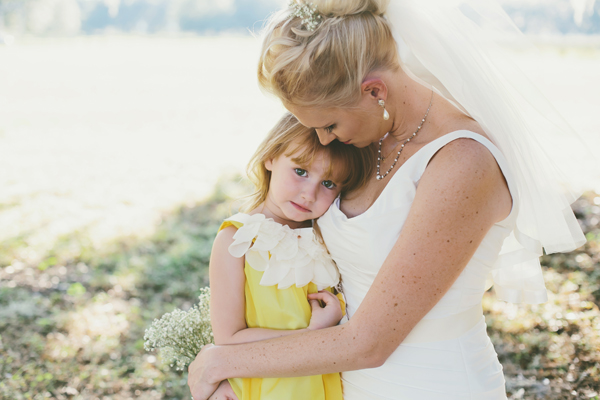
(329, 128)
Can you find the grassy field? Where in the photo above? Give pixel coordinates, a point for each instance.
(71, 326)
(119, 157)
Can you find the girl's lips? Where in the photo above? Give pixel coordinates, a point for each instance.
(299, 207)
(347, 141)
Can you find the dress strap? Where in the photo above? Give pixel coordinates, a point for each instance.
(429, 150)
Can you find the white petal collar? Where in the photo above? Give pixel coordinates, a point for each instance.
(286, 256)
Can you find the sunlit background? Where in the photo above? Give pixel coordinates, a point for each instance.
(124, 128)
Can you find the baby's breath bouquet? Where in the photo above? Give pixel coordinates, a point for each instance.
(179, 335)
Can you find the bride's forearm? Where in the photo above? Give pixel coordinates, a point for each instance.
(335, 349)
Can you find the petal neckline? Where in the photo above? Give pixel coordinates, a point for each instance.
(283, 254)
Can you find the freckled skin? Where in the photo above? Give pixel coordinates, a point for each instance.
(460, 196)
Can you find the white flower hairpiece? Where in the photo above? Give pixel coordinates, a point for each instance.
(307, 13)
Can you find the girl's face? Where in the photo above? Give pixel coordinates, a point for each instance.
(299, 193)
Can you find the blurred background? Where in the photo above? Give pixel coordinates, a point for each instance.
(125, 126)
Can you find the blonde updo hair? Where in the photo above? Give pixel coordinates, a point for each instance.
(349, 166)
(328, 65)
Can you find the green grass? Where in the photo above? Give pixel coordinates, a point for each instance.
(71, 326)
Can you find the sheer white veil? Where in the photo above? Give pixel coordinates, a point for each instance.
(454, 46)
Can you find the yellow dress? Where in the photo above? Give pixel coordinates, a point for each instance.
(282, 266)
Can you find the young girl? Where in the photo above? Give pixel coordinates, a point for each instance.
(268, 271)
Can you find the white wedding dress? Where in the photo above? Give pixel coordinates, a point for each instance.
(448, 355)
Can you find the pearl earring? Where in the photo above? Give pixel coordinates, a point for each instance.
(386, 114)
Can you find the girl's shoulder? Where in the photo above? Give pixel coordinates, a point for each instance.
(286, 256)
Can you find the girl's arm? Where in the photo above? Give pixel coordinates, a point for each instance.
(227, 303)
(460, 196)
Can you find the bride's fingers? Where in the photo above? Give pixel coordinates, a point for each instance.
(195, 364)
(200, 389)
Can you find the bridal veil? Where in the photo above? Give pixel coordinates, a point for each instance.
(455, 46)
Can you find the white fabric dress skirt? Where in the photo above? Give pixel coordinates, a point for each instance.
(448, 354)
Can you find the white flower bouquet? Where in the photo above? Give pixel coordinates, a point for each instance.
(179, 335)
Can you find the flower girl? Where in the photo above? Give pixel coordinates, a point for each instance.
(269, 270)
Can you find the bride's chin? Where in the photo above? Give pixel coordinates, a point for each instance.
(361, 145)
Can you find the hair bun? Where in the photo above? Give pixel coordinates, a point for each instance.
(341, 8)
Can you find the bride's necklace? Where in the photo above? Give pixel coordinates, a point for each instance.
(379, 158)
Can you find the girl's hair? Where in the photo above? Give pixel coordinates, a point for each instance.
(327, 66)
(349, 166)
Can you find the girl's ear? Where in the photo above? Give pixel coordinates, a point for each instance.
(269, 164)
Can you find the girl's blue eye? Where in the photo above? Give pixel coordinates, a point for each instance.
(300, 171)
(328, 184)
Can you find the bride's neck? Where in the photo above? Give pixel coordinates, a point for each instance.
(408, 101)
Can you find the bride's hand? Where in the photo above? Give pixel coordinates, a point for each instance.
(224, 392)
(198, 381)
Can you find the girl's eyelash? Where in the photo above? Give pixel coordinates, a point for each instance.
(329, 129)
(300, 171)
(327, 183)
(332, 185)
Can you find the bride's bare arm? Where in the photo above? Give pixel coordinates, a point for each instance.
(460, 196)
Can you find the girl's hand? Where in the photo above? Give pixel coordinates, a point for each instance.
(224, 392)
(200, 385)
(329, 315)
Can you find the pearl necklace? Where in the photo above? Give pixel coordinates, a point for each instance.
(379, 158)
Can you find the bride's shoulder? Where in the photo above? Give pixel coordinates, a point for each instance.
(460, 153)
(468, 167)
(464, 152)
(460, 157)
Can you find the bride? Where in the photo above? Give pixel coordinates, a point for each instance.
(467, 191)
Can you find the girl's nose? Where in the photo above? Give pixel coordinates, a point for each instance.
(325, 137)
(309, 192)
